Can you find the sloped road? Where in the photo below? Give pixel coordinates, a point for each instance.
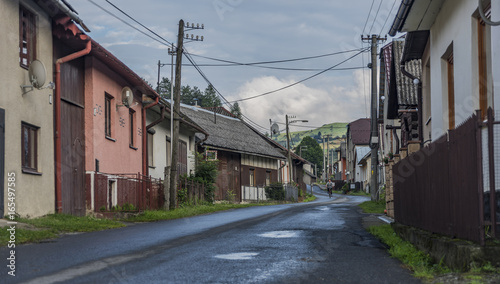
(322, 241)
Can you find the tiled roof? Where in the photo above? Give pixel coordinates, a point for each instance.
(406, 89)
(229, 133)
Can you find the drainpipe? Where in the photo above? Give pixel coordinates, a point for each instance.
(57, 103)
(145, 137)
(162, 117)
(418, 82)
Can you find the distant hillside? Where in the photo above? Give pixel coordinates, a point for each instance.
(337, 130)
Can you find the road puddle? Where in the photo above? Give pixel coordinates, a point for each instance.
(237, 256)
(280, 234)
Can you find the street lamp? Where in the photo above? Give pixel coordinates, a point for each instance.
(288, 143)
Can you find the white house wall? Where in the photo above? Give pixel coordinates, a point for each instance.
(35, 194)
(258, 162)
(162, 131)
(455, 25)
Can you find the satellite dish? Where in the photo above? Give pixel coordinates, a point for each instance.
(127, 96)
(275, 130)
(37, 74)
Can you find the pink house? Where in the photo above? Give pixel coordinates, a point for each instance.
(100, 108)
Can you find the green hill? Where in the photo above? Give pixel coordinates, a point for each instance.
(336, 130)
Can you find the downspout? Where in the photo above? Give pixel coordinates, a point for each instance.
(419, 103)
(162, 117)
(57, 102)
(145, 137)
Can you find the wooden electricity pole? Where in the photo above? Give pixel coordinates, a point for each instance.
(374, 125)
(175, 114)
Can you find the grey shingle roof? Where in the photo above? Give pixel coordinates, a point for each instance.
(406, 90)
(229, 133)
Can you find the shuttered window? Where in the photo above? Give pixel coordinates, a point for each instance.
(27, 37)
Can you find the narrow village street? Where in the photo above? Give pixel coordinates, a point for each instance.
(321, 241)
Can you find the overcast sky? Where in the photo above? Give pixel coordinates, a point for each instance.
(250, 31)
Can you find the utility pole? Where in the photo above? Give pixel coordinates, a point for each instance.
(324, 175)
(289, 156)
(176, 108)
(175, 115)
(374, 129)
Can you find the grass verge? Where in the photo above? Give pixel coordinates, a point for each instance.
(377, 207)
(419, 262)
(50, 226)
(188, 211)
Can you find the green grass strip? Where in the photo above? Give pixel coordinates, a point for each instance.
(376, 207)
(419, 262)
(69, 223)
(188, 211)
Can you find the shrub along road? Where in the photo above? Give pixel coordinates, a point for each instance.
(305, 242)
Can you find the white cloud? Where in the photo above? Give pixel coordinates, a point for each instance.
(313, 103)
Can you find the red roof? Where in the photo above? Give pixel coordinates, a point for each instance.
(360, 131)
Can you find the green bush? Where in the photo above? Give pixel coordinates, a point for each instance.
(275, 191)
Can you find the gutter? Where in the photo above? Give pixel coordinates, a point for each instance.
(63, 7)
(57, 102)
(403, 10)
(419, 102)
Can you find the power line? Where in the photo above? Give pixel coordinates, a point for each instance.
(375, 18)
(303, 80)
(385, 22)
(279, 61)
(225, 101)
(109, 2)
(275, 68)
(368, 17)
(128, 24)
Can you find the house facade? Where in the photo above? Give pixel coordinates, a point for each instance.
(27, 106)
(247, 162)
(358, 137)
(456, 42)
(158, 120)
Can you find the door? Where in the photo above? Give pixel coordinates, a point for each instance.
(73, 138)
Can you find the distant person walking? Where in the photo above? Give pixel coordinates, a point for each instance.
(329, 187)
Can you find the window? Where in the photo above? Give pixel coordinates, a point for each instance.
(107, 115)
(451, 93)
(252, 177)
(268, 177)
(29, 147)
(150, 138)
(131, 116)
(168, 151)
(27, 37)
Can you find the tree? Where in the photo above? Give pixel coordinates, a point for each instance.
(313, 153)
(210, 98)
(236, 110)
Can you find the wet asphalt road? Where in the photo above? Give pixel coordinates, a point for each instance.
(318, 242)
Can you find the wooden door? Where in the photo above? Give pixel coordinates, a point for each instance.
(73, 138)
